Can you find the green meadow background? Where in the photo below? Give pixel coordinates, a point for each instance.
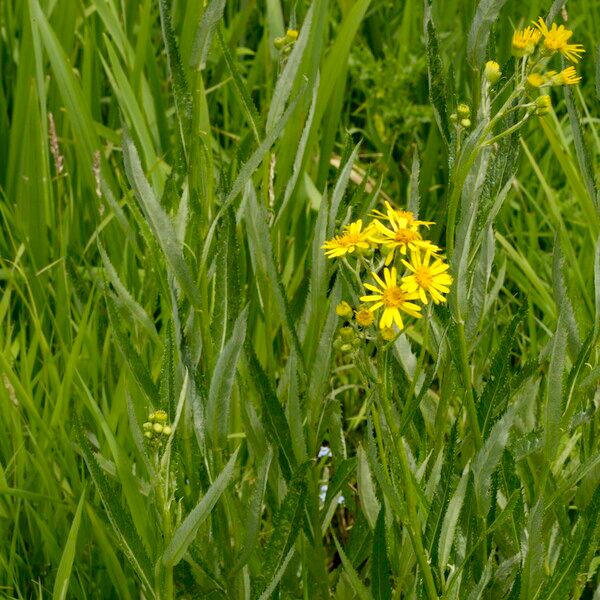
(167, 177)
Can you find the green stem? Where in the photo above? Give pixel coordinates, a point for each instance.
(165, 590)
(508, 131)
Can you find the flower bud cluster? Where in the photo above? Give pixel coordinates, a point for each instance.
(156, 428)
(462, 116)
(285, 42)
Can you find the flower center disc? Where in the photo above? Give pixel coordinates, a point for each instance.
(404, 236)
(393, 297)
(352, 238)
(423, 277)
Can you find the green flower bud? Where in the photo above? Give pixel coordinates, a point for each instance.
(157, 427)
(147, 426)
(388, 334)
(366, 252)
(160, 416)
(167, 430)
(344, 310)
(279, 42)
(543, 104)
(466, 123)
(492, 72)
(338, 343)
(463, 110)
(346, 333)
(148, 435)
(346, 348)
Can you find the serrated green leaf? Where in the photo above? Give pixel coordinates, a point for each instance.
(361, 591)
(260, 238)
(286, 80)
(221, 385)
(120, 520)
(213, 13)
(448, 530)
(272, 415)
(381, 587)
(255, 510)
(488, 457)
(286, 527)
(366, 489)
(437, 85)
(185, 534)
(131, 356)
(555, 389)
(486, 14)
(496, 393)
(160, 223)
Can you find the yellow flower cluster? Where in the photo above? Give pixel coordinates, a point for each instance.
(396, 235)
(548, 41)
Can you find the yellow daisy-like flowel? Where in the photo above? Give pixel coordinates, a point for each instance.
(393, 213)
(567, 76)
(392, 298)
(556, 38)
(400, 235)
(354, 237)
(427, 278)
(524, 41)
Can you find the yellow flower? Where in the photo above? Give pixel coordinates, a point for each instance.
(292, 34)
(353, 237)
(556, 38)
(392, 298)
(400, 235)
(427, 278)
(524, 41)
(567, 76)
(536, 80)
(364, 317)
(391, 214)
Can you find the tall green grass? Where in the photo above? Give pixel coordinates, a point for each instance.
(161, 249)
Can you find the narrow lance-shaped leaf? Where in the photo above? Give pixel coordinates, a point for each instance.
(126, 299)
(272, 415)
(485, 15)
(132, 358)
(286, 80)
(160, 223)
(451, 519)
(437, 85)
(366, 489)
(206, 28)
(186, 532)
(121, 521)
(255, 510)
(380, 564)
(357, 585)
(63, 575)
(555, 389)
(287, 524)
(221, 385)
